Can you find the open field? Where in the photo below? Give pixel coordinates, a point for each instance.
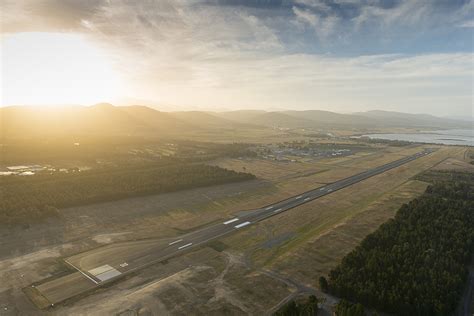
(300, 244)
(236, 157)
(103, 265)
(308, 222)
(322, 252)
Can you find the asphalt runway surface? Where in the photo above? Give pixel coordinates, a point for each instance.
(108, 263)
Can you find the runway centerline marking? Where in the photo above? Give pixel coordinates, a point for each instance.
(184, 246)
(242, 225)
(258, 216)
(175, 242)
(231, 221)
(298, 197)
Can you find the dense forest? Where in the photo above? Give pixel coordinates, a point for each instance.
(192, 150)
(395, 143)
(87, 150)
(416, 263)
(302, 307)
(24, 199)
(345, 308)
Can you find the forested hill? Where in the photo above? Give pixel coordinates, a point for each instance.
(416, 263)
(24, 122)
(332, 120)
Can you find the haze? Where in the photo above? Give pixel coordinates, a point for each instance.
(338, 55)
(236, 157)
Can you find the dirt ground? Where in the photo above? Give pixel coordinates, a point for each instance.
(251, 272)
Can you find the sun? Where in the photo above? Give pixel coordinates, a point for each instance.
(55, 68)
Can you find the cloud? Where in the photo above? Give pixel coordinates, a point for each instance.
(306, 16)
(276, 22)
(298, 53)
(322, 26)
(468, 24)
(315, 4)
(46, 15)
(422, 83)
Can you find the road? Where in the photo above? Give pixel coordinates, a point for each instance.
(105, 264)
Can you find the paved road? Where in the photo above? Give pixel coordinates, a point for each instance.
(101, 266)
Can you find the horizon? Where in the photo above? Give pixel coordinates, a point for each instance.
(223, 110)
(237, 157)
(331, 55)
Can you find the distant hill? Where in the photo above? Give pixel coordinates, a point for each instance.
(205, 120)
(97, 120)
(461, 118)
(389, 118)
(108, 120)
(331, 119)
(243, 116)
(163, 122)
(327, 120)
(268, 119)
(104, 119)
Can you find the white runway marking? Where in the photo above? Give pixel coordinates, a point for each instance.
(329, 190)
(275, 211)
(84, 274)
(100, 270)
(269, 208)
(242, 225)
(105, 272)
(112, 273)
(184, 246)
(231, 221)
(175, 242)
(307, 199)
(298, 197)
(322, 189)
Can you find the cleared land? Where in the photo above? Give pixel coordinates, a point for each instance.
(107, 263)
(270, 244)
(309, 222)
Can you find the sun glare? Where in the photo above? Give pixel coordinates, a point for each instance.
(55, 68)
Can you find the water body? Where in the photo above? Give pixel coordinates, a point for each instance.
(461, 137)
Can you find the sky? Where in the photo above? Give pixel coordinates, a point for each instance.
(339, 55)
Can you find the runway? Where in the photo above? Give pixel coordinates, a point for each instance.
(105, 264)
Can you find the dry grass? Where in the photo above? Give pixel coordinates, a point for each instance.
(385, 192)
(201, 282)
(323, 251)
(304, 242)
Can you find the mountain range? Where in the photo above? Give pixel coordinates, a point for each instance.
(106, 119)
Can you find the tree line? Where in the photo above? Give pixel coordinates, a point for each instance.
(302, 307)
(416, 263)
(309, 307)
(25, 199)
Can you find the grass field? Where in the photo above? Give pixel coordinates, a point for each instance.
(226, 277)
(375, 199)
